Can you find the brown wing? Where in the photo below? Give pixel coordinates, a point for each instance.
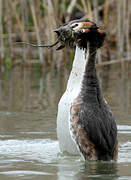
(79, 135)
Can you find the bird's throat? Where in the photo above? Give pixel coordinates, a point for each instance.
(78, 68)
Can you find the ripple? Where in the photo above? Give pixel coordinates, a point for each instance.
(6, 136)
(18, 172)
(124, 178)
(47, 151)
(124, 152)
(124, 127)
(39, 133)
(40, 149)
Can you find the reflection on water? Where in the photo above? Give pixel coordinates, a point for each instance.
(28, 145)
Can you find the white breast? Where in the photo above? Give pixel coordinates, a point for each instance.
(73, 89)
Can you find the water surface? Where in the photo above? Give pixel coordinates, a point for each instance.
(28, 144)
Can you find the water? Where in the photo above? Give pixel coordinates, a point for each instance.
(28, 144)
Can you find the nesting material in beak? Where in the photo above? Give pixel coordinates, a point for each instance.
(75, 32)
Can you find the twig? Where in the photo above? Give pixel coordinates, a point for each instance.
(127, 29)
(114, 61)
(39, 45)
(20, 25)
(1, 29)
(36, 30)
(70, 9)
(95, 4)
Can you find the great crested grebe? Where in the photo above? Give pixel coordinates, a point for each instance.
(85, 124)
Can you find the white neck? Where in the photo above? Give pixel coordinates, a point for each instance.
(78, 68)
(72, 92)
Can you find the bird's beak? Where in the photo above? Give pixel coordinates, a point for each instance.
(57, 31)
(63, 30)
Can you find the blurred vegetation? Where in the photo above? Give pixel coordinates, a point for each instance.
(35, 20)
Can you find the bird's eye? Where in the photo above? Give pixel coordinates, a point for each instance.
(75, 25)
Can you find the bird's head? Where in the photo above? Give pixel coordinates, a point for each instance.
(80, 32)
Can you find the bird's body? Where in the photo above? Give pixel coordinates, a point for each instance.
(85, 124)
(72, 91)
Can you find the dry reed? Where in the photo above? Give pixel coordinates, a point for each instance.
(34, 21)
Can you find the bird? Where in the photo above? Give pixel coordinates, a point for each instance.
(85, 124)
